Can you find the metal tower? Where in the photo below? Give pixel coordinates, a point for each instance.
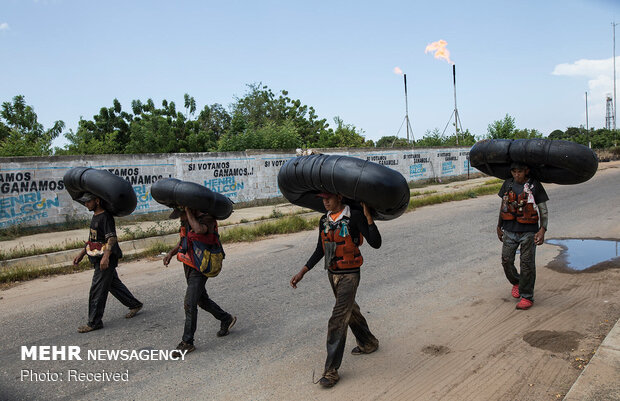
(610, 122)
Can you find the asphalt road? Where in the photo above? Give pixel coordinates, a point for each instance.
(431, 261)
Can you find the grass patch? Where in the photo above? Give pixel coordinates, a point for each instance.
(442, 180)
(127, 234)
(285, 225)
(156, 249)
(276, 214)
(454, 196)
(420, 193)
(14, 232)
(16, 274)
(25, 252)
(137, 232)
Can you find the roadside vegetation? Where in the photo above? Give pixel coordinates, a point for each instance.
(279, 224)
(489, 187)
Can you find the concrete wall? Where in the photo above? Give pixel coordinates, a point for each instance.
(32, 191)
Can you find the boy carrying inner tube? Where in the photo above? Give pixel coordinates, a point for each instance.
(523, 219)
(341, 233)
(103, 252)
(197, 230)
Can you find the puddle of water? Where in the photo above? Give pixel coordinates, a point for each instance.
(581, 254)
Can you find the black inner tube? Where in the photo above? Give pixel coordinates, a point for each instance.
(552, 161)
(384, 190)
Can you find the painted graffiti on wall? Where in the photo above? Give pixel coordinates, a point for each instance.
(226, 186)
(25, 199)
(419, 165)
(384, 159)
(15, 183)
(32, 192)
(141, 177)
(225, 176)
(26, 208)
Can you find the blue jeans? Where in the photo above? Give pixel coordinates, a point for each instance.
(527, 276)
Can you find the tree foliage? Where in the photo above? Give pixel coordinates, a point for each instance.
(260, 112)
(345, 135)
(261, 119)
(599, 138)
(392, 141)
(149, 129)
(435, 139)
(502, 129)
(507, 129)
(20, 132)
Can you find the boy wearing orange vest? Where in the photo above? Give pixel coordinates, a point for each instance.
(341, 232)
(196, 226)
(522, 223)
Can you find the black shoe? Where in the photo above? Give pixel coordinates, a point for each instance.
(133, 312)
(183, 346)
(327, 382)
(86, 328)
(226, 325)
(358, 351)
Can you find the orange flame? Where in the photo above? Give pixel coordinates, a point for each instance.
(398, 71)
(439, 48)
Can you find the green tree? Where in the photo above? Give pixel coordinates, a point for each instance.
(431, 139)
(467, 138)
(502, 129)
(556, 134)
(599, 138)
(269, 136)
(344, 136)
(153, 133)
(107, 133)
(526, 134)
(392, 142)
(261, 106)
(190, 105)
(20, 132)
(212, 123)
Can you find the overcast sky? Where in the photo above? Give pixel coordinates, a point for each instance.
(534, 60)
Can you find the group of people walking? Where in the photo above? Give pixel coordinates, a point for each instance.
(342, 230)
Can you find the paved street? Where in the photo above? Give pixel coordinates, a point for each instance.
(434, 294)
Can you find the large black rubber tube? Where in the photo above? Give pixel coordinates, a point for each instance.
(116, 194)
(173, 192)
(384, 190)
(554, 161)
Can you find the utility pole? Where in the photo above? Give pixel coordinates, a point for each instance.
(407, 108)
(455, 113)
(587, 126)
(406, 120)
(613, 24)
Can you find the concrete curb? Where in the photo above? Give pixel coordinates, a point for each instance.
(600, 380)
(65, 258)
(129, 248)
